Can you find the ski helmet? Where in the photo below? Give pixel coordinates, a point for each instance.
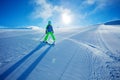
(49, 22)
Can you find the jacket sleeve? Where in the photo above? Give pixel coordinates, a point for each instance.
(52, 29)
(46, 30)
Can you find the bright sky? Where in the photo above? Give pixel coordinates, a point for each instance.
(21, 13)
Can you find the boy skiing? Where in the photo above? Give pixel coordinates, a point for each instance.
(49, 31)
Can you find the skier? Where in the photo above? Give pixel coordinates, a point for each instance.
(49, 31)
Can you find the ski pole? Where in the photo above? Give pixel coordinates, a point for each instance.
(42, 37)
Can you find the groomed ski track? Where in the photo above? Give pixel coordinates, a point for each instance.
(83, 55)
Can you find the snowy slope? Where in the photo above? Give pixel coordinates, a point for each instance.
(89, 53)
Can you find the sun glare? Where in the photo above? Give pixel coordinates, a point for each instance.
(66, 18)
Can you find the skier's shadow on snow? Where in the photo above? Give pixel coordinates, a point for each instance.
(31, 67)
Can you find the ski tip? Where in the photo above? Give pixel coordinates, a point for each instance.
(53, 44)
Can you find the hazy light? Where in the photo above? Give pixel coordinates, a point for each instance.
(66, 18)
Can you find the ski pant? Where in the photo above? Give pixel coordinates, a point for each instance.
(47, 35)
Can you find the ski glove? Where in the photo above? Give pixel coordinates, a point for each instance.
(46, 32)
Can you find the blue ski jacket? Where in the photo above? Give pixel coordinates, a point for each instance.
(49, 28)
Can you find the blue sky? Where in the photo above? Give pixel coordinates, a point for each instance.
(22, 13)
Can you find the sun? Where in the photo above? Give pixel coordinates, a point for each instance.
(66, 18)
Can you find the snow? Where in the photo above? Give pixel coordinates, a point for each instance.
(83, 53)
